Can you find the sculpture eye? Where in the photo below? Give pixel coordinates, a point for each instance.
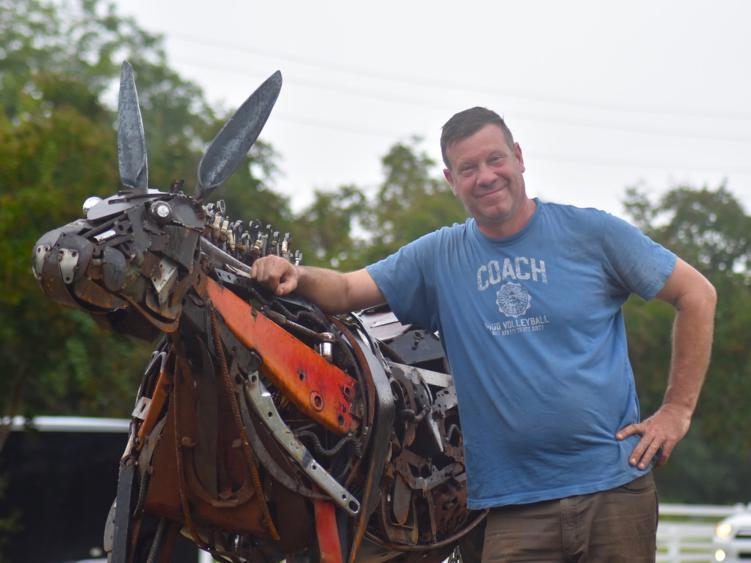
(89, 203)
(161, 210)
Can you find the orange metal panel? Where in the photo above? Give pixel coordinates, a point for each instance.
(155, 408)
(317, 388)
(326, 531)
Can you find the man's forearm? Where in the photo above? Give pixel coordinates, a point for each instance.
(326, 288)
(694, 299)
(335, 292)
(692, 343)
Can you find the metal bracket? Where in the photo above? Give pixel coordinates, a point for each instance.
(445, 400)
(68, 262)
(435, 378)
(263, 405)
(141, 409)
(165, 279)
(40, 253)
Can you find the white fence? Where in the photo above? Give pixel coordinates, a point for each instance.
(684, 534)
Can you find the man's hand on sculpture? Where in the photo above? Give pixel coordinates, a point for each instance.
(659, 434)
(276, 273)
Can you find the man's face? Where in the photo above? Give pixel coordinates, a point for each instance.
(486, 175)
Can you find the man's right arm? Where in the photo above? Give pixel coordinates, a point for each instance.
(334, 292)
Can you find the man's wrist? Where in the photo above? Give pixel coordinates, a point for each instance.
(301, 273)
(679, 408)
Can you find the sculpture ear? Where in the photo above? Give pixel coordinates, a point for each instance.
(131, 140)
(233, 142)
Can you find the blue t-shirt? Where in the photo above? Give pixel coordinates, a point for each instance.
(534, 334)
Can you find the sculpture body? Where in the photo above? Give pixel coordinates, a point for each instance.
(263, 429)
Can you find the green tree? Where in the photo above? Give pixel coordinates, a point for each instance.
(59, 67)
(345, 230)
(410, 202)
(710, 230)
(49, 165)
(326, 230)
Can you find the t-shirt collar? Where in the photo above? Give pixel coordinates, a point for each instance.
(516, 236)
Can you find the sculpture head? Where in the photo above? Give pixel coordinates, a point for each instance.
(128, 260)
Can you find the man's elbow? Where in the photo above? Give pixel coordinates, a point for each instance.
(710, 295)
(701, 297)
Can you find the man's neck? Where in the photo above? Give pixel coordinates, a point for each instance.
(512, 225)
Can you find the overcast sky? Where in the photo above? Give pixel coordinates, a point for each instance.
(601, 95)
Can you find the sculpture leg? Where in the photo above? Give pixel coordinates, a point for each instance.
(327, 532)
(144, 539)
(117, 529)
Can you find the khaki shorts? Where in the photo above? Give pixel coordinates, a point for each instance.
(618, 525)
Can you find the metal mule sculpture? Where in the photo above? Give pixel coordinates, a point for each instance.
(263, 429)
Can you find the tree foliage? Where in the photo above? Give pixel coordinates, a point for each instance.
(347, 230)
(327, 230)
(59, 69)
(710, 230)
(410, 202)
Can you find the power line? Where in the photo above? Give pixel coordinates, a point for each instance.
(595, 161)
(432, 83)
(338, 127)
(390, 97)
(544, 156)
(391, 135)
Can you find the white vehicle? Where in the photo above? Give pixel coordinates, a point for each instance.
(732, 538)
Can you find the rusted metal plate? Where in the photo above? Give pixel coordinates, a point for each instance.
(317, 388)
(326, 531)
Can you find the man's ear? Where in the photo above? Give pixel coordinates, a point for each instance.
(518, 155)
(449, 178)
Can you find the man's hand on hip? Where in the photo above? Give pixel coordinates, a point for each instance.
(659, 433)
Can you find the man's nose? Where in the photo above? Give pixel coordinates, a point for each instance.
(485, 175)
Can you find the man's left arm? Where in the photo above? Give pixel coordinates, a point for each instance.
(694, 299)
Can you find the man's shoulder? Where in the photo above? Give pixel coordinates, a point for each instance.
(457, 228)
(446, 233)
(431, 244)
(567, 211)
(587, 222)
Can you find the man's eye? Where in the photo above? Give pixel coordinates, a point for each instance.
(467, 170)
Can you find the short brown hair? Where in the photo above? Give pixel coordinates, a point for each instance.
(468, 122)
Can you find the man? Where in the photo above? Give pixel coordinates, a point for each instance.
(527, 296)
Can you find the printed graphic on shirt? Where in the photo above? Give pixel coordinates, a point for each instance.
(513, 298)
(520, 268)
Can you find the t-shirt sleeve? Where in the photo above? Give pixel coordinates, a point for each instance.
(636, 263)
(406, 280)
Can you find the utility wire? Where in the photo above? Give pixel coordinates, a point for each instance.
(542, 156)
(390, 135)
(433, 83)
(414, 102)
(616, 163)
